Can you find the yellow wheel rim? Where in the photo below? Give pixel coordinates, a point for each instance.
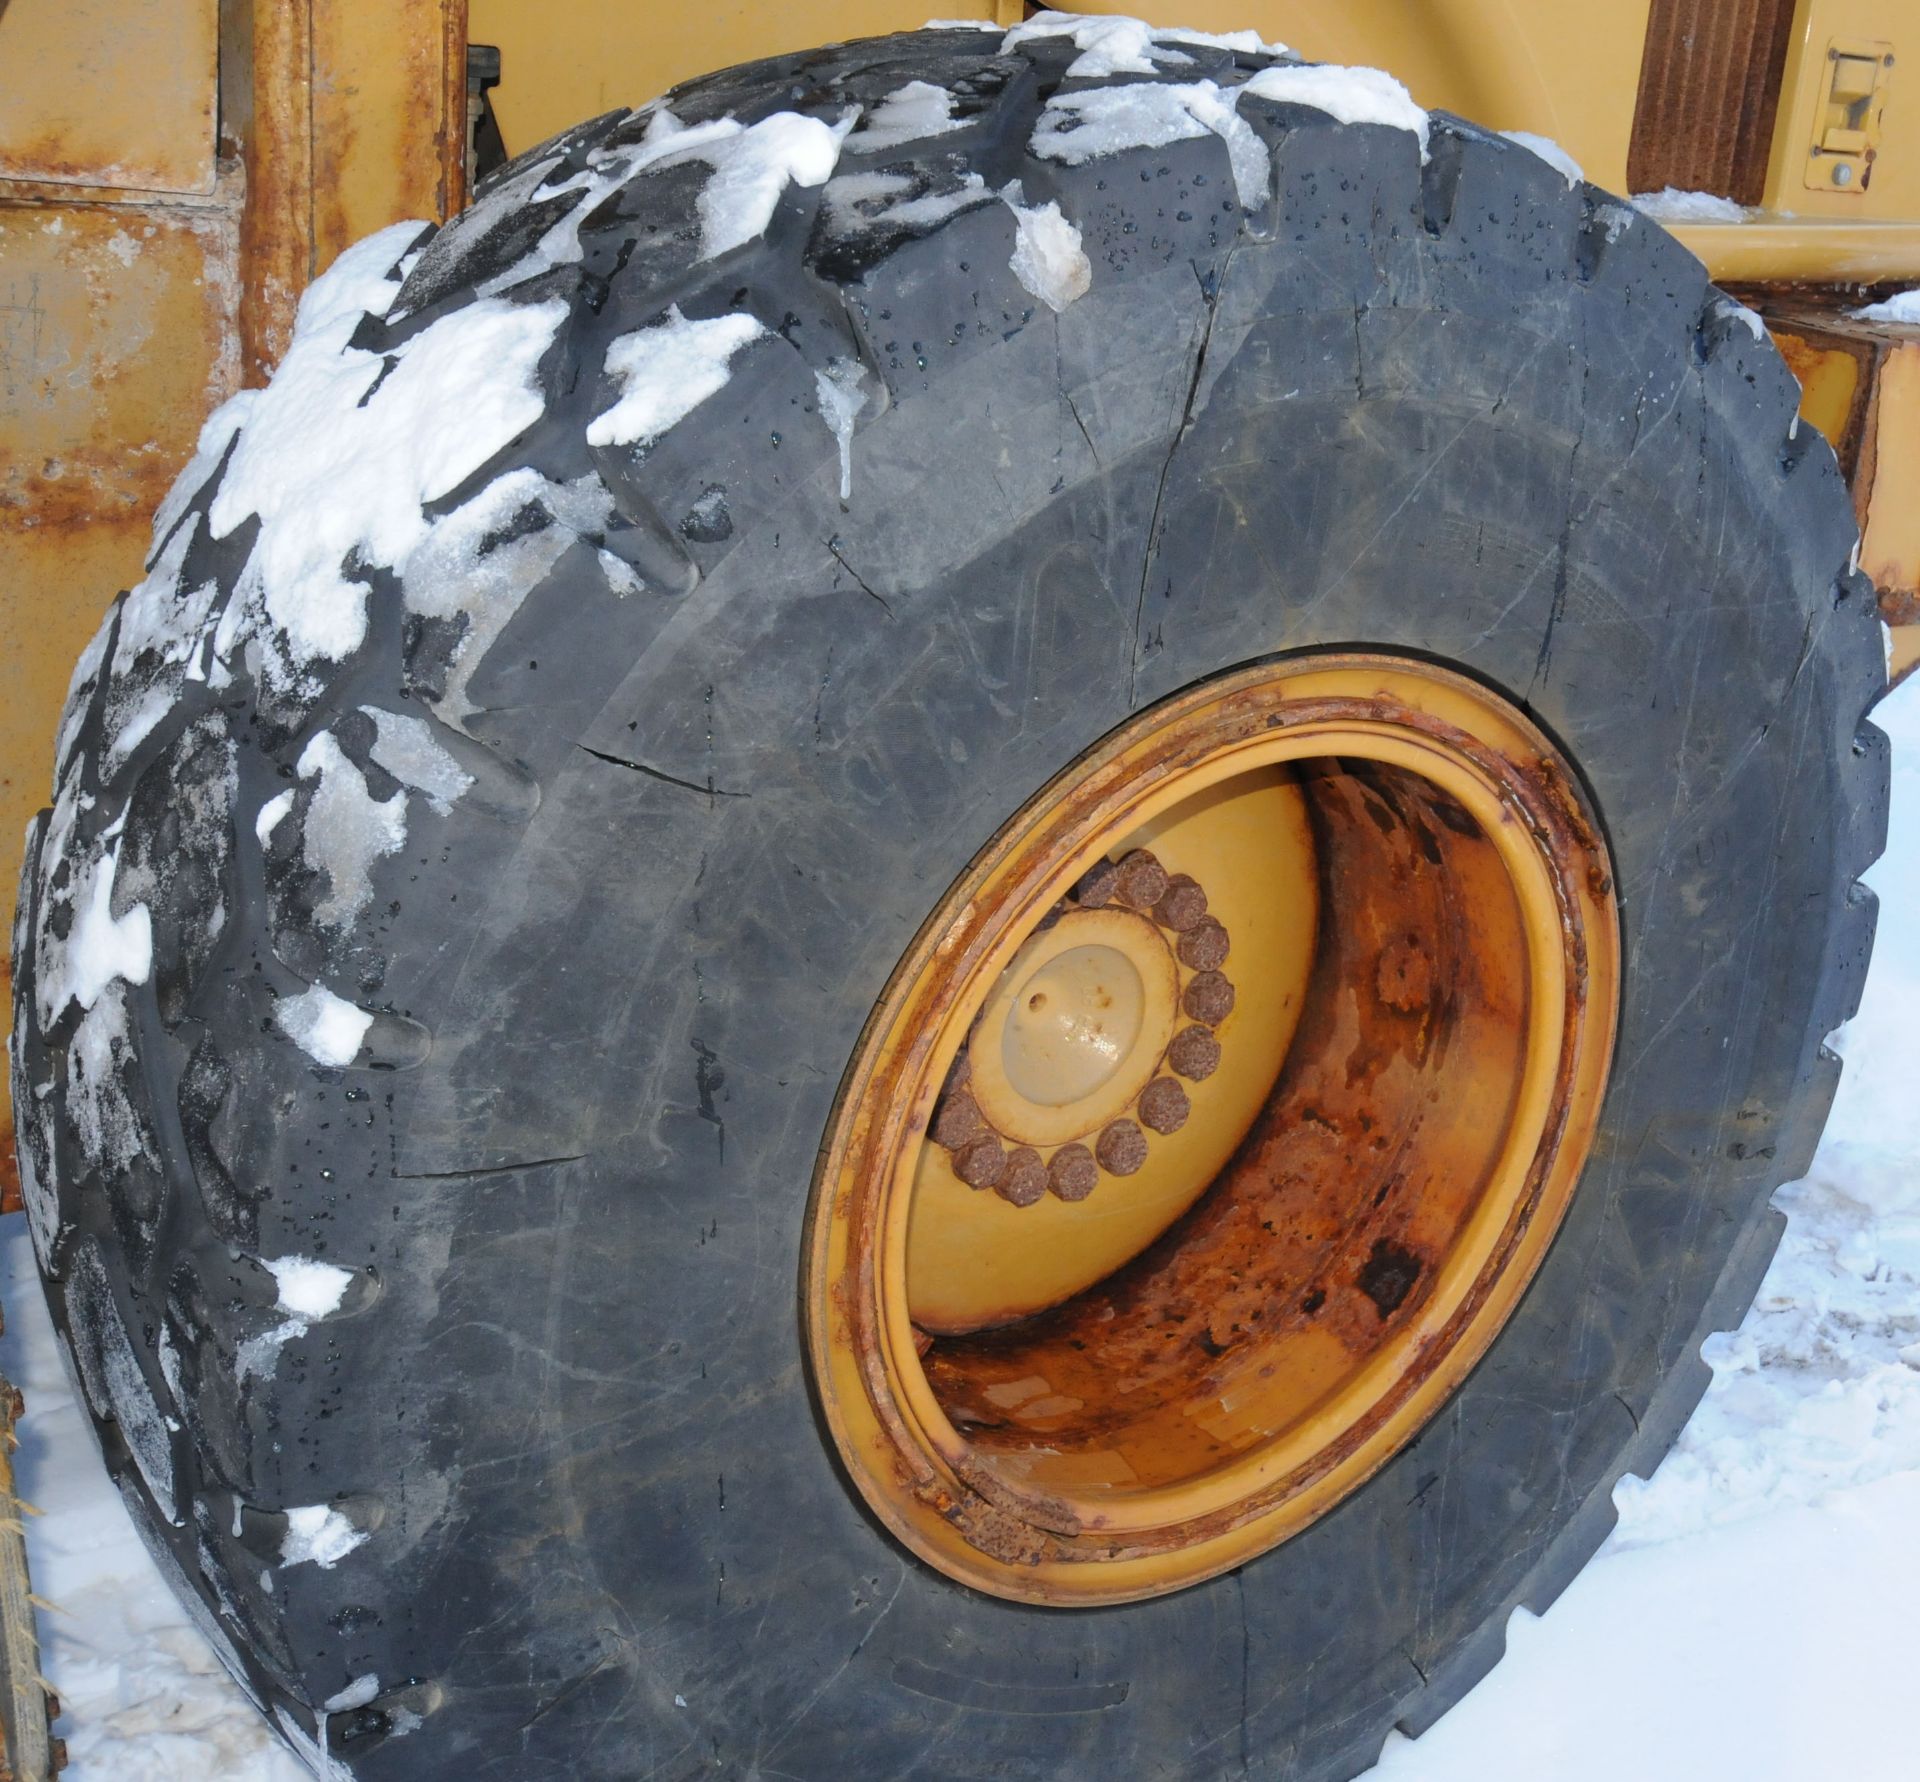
(1090, 1320)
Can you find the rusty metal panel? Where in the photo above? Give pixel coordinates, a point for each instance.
(389, 117)
(101, 93)
(1890, 472)
(117, 335)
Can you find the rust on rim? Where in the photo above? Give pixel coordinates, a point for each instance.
(1279, 1022)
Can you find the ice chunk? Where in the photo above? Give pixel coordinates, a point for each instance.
(326, 1027)
(405, 747)
(841, 399)
(666, 371)
(1047, 258)
(1671, 205)
(1550, 152)
(1353, 95)
(908, 114)
(317, 1534)
(347, 829)
(309, 1288)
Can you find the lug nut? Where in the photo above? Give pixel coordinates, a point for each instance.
(1143, 880)
(1121, 1148)
(958, 1120)
(1181, 905)
(1026, 1177)
(1096, 885)
(1164, 1106)
(1204, 945)
(1073, 1174)
(981, 1164)
(1195, 1053)
(1209, 998)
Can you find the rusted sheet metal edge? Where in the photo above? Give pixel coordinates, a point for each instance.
(276, 228)
(40, 192)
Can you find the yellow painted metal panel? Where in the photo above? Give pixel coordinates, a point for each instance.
(1838, 252)
(1565, 71)
(562, 63)
(1821, 29)
(101, 93)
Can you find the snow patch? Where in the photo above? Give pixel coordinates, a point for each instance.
(100, 947)
(378, 434)
(1047, 258)
(752, 167)
(1903, 306)
(665, 372)
(317, 1534)
(326, 1027)
(468, 574)
(1670, 205)
(1077, 127)
(1732, 311)
(356, 1695)
(405, 746)
(908, 114)
(841, 400)
(309, 1288)
(1353, 95)
(347, 829)
(162, 625)
(1550, 152)
(857, 201)
(271, 814)
(1110, 45)
(111, 1135)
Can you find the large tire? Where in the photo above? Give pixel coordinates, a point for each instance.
(692, 747)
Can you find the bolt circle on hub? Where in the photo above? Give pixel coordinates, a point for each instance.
(1249, 1226)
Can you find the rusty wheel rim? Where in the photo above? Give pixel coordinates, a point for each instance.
(1301, 1314)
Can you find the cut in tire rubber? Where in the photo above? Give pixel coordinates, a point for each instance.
(531, 1070)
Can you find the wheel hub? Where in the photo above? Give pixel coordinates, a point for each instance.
(1278, 1027)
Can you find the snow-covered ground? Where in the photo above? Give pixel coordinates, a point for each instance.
(1752, 1618)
